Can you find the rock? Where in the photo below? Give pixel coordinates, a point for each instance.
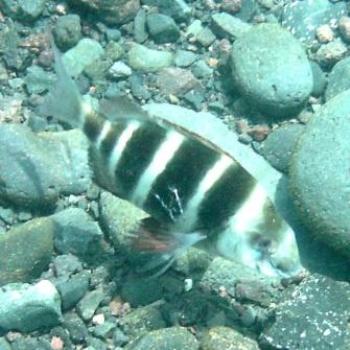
(162, 28)
(89, 304)
(26, 251)
(338, 79)
(39, 168)
(302, 18)
(73, 289)
(67, 31)
(203, 35)
(184, 58)
(77, 233)
(320, 80)
(329, 54)
(315, 317)
(280, 144)
(227, 338)
(66, 265)
(26, 308)
(285, 76)
(143, 320)
(141, 291)
(76, 328)
(120, 70)
(4, 345)
(111, 11)
(227, 26)
(82, 55)
(37, 80)
(148, 60)
(344, 28)
(23, 10)
(174, 338)
(140, 33)
(319, 170)
(176, 81)
(177, 9)
(201, 70)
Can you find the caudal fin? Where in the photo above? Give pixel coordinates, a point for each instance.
(63, 100)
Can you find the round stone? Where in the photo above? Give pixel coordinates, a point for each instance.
(271, 70)
(319, 174)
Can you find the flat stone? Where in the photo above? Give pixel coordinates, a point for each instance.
(148, 60)
(227, 26)
(177, 9)
(162, 28)
(284, 74)
(338, 78)
(26, 308)
(26, 251)
(89, 304)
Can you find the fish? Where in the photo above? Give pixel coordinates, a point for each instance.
(192, 189)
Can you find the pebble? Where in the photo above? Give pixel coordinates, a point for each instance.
(67, 31)
(25, 307)
(119, 70)
(344, 28)
(140, 32)
(338, 78)
(77, 233)
(37, 80)
(201, 70)
(76, 328)
(162, 28)
(88, 305)
(329, 54)
(314, 317)
(227, 338)
(23, 10)
(227, 26)
(320, 162)
(18, 263)
(39, 168)
(285, 77)
(184, 58)
(176, 81)
(324, 33)
(148, 60)
(319, 78)
(86, 52)
(172, 338)
(279, 146)
(179, 10)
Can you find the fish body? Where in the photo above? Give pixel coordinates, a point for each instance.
(186, 183)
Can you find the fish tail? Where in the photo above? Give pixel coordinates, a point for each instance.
(64, 101)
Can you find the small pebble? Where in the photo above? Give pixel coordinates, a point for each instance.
(344, 28)
(324, 34)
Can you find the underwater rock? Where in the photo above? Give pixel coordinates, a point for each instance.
(320, 80)
(196, 32)
(280, 144)
(319, 174)
(144, 319)
(184, 58)
(18, 262)
(227, 26)
(25, 307)
(77, 233)
(35, 169)
(88, 305)
(329, 54)
(111, 11)
(302, 18)
(37, 80)
(338, 79)
(148, 60)
(82, 55)
(227, 338)
(140, 32)
(177, 9)
(23, 10)
(76, 328)
(67, 31)
(315, 317)
(172, 338)
(162, 28)
(271, 70)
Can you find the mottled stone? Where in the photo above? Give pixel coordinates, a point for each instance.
(67, 31)
(338, 79)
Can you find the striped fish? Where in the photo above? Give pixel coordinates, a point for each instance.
(190, 187)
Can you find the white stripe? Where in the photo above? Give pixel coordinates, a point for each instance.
(158, 164)
(105, 129)
(120, 145)
(190, 215)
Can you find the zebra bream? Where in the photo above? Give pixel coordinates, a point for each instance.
(188, 185)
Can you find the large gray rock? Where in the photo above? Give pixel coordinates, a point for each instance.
(316, 317)
(34, 169)
(26, 308)
(319, 174)
(26, 251)
(271, 70)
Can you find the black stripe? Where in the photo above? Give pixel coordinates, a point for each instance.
(225, 197)
(93, 126)
(110, 140)
(181, 176)
(137, 155)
